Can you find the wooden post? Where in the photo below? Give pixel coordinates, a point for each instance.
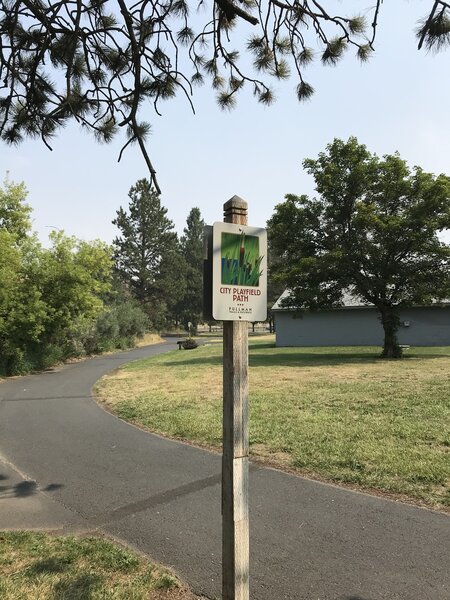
(235, 530)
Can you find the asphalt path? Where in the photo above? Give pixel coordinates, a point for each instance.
(65, 463)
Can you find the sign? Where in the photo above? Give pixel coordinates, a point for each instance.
(239, 273)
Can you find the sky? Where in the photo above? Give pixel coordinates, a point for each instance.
(397, 102)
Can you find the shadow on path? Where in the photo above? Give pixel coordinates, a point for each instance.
(24, 489)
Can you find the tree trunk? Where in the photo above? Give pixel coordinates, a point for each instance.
(390, 321)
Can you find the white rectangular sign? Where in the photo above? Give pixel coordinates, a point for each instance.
(239, 273)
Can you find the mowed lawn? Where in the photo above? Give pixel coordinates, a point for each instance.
(339, 414)
(39, 566)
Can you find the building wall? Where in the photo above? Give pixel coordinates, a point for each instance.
(361, 327)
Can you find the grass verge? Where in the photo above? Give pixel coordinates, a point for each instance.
(40, 566)
(339, 414)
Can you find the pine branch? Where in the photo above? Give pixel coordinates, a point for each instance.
(231, 11)
(108, 64)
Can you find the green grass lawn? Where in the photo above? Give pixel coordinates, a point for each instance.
(38, 566)
(339, 414)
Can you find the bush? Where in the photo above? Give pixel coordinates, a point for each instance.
(132, 320)
(37, 357)
(46, 356)
(13, 361)
(118, 327)
(115, 328)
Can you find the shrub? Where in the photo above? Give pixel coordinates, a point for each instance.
(132, 320)
(118, 327)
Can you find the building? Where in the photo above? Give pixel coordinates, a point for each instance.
(358, 324)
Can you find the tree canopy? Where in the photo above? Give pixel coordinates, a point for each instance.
(99, 61)
(14, 213)
(372, 231)
(56, 302)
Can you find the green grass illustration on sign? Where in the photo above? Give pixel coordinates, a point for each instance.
(241, 261)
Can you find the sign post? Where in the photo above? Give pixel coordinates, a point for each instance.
(239, 295)
(235, 530)
(235, 292)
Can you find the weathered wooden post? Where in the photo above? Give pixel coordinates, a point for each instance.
(235, 529)
(235, 292)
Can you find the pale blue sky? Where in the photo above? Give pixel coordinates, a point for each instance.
(397, 101)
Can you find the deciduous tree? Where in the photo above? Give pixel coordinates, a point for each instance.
(73, 276)
(14, 212)
(59, 301)
(22, 310)
(372, 230)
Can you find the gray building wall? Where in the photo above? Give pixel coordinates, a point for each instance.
(361, 327)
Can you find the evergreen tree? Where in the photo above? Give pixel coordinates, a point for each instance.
(147, 253)
(99, 62)
(372, 231)
(189, 309)
(171, 285)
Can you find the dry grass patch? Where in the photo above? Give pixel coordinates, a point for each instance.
(340, 414)
(148, 340)
(39, 566)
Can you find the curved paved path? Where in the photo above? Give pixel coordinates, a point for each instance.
(309, 541)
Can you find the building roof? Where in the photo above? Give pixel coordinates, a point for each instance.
(348, 301)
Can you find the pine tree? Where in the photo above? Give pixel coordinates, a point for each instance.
(100, 62)
(147, 253)
(189, 308)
